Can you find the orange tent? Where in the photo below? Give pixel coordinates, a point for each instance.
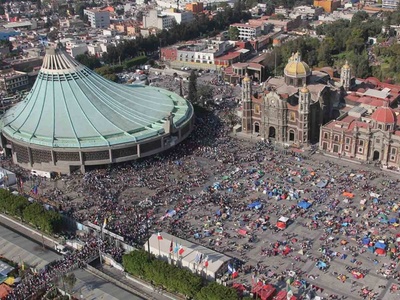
(348, 195)
(4, 291)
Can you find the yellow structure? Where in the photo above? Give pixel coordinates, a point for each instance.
(328, 5)
(297, 67)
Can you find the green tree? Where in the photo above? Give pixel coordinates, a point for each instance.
(204, 93)
(192, 90)
(90, 61)
(215, 291)
(233, 33)
(70, 280)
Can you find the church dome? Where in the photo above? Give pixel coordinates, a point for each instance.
(384, 115)
(296, 67)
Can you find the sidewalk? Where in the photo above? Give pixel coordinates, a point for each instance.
(132, 284)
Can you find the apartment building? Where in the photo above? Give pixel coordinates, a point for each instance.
(247, 31)
(155, 19)
(11, 80)
(98, 18)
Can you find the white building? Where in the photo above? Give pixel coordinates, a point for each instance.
(98, 18)
(97, 48)
(390, 4)
(75, 48)
(157, 20)
(217, 262)
(247, 31)
(180, 17)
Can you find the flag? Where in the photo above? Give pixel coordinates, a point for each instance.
(181, 250)
(234, 273)
(206, 262)
(105, 223)
(159, 236)
(171, 246)
(230, 269)
(176, 249)
(197, 258)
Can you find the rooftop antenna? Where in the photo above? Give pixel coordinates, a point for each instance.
(275, 63)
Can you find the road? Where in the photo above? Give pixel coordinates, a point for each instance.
(18, 248)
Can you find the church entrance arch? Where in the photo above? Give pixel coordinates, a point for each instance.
(272, 132)
(376, 155)
(257, 127)
(291, 135)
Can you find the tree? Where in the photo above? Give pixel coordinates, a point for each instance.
(233, 33)
(90, 61)
(204, 93)
(215, 291)
(70, 280)
(192, 93)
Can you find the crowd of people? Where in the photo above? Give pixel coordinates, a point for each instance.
(202, 190)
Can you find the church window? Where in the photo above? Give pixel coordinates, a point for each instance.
(377, 141)
(347, 140)
(301, 106)
(346, 147)
(336, 138)
(292, 116)
(326, 135)
(387, 127)
(257, 109)
(393, 151)
(360, 149)
(361, 143)
(380, 126)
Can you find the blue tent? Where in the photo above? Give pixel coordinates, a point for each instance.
(366, 241)
(256, 205)
(393, 220)
(218, 213)
(380, 245)
(304, 204)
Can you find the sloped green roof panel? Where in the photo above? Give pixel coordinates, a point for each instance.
(72, 106)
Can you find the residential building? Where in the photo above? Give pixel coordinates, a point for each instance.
(11, 80)
(195, 7)
(75, 48)
(390, 4)
(180, 17)
(155, 19)
(98, 18)
(328, 5)
(247, 31)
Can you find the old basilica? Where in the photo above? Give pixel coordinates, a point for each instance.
(291, 109)
(349, 117)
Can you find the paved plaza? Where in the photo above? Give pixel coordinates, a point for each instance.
(227, 192)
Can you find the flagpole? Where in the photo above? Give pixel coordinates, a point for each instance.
(159, 249)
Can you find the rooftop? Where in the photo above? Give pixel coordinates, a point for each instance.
(71, 106)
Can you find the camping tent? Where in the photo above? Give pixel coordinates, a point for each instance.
(256, 205)
(380, 245)
(348, 195)
(304, 204)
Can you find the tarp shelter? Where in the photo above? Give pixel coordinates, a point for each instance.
(5, 268)
(380, 245)
(171, 213)
(348, 195)
(304, 204)
(242, 232)
(379, 251)
(322, 183)
(282, 295)
(4, 290)
(282, 222)
(365, 241)
(263, 291)
(393, 220)
(256, 205)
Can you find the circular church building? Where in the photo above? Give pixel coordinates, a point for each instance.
(73, 118)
